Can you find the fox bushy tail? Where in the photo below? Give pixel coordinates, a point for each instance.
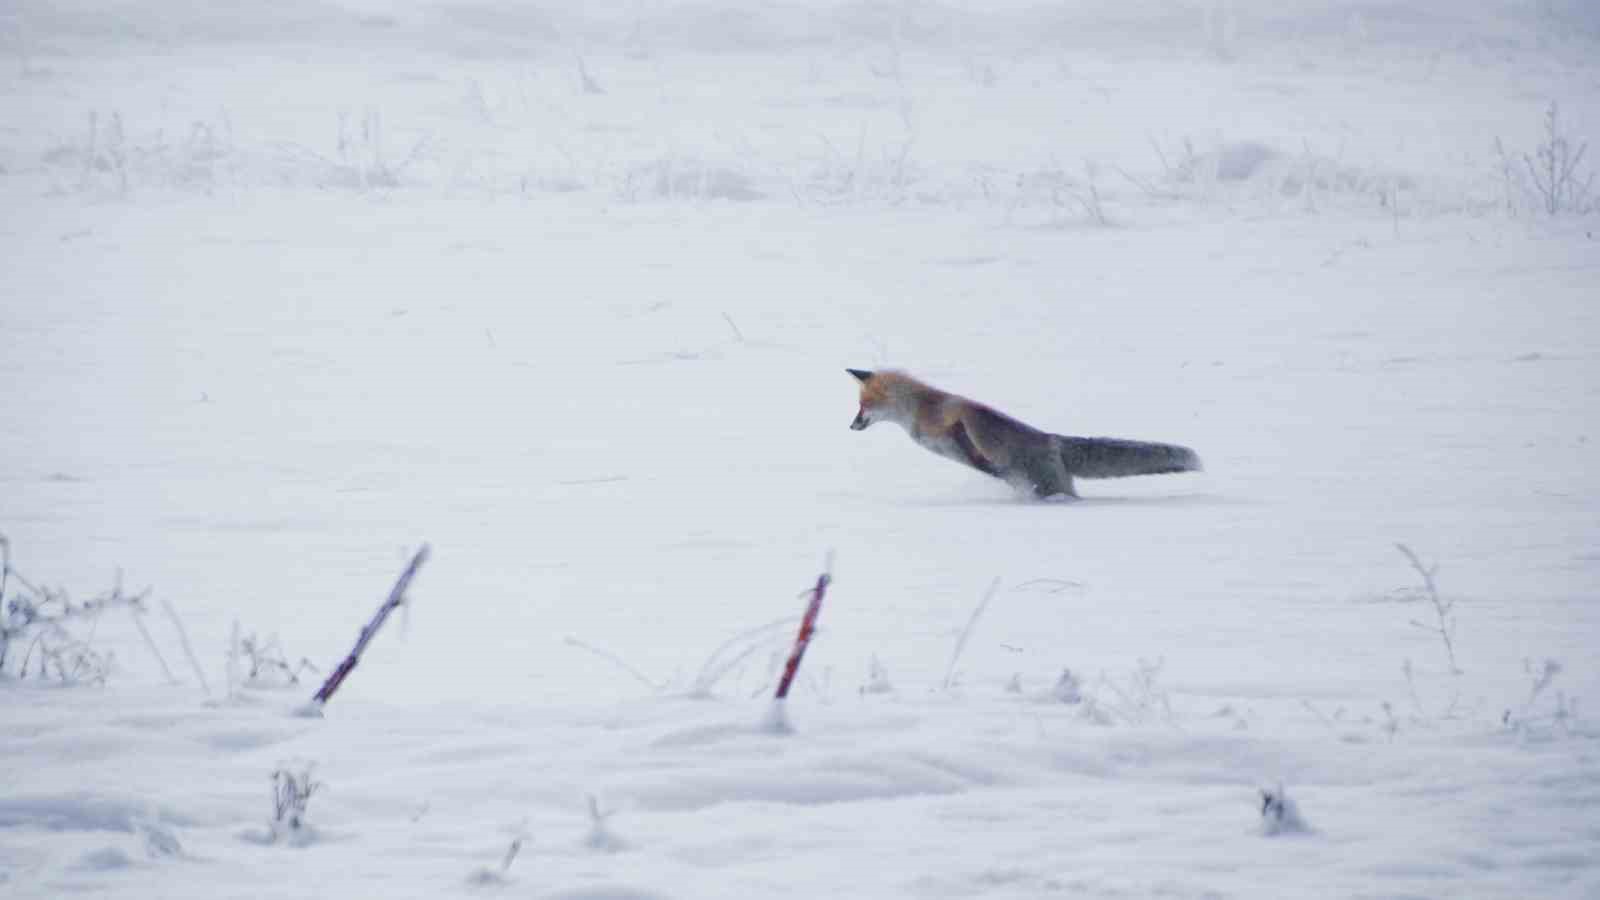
(1098, 457)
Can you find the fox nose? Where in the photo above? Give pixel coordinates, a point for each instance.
(860, 422)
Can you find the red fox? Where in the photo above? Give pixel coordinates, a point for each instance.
(1030, 460)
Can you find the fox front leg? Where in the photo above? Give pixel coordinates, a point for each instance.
(969, 449)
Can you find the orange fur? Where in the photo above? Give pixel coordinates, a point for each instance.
(936, 412)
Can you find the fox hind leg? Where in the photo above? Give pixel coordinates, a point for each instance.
(1046, 477)
(1061, 488)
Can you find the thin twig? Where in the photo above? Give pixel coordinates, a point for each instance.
(188, 649)
(233, 658)
(1309, 707)
(5, 572)
(1441, 607)
(972, 622)
(511, 854)
(712, 670)
(1161, 154)
(1050, 585)
(1145, 186)
(617, 661)
(137, 612)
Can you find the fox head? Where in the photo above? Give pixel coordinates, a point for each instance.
(863, 416)
(880, 397)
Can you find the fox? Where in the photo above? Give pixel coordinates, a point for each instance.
(1029, 460)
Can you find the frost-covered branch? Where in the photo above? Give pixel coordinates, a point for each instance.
(397, 597)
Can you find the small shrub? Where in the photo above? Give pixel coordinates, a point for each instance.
(1554, 166)
(265, 664)
(291, 794)
(877, 678)
(1280, 814)
(45, 634)
(1529, 721)
(1553, 178)
(600, 836)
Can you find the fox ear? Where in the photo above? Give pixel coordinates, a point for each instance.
(862, 375)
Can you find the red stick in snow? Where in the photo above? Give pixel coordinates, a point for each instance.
(397, 596)
(808, 624)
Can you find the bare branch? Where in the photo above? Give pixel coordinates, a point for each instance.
(397, 596)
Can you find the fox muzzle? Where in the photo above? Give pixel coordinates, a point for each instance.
(861, 421)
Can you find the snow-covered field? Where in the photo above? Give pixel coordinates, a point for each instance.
(287, 290)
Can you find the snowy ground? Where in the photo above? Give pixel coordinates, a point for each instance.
(288, 293)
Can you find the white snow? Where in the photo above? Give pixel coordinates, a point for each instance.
(289, 289)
